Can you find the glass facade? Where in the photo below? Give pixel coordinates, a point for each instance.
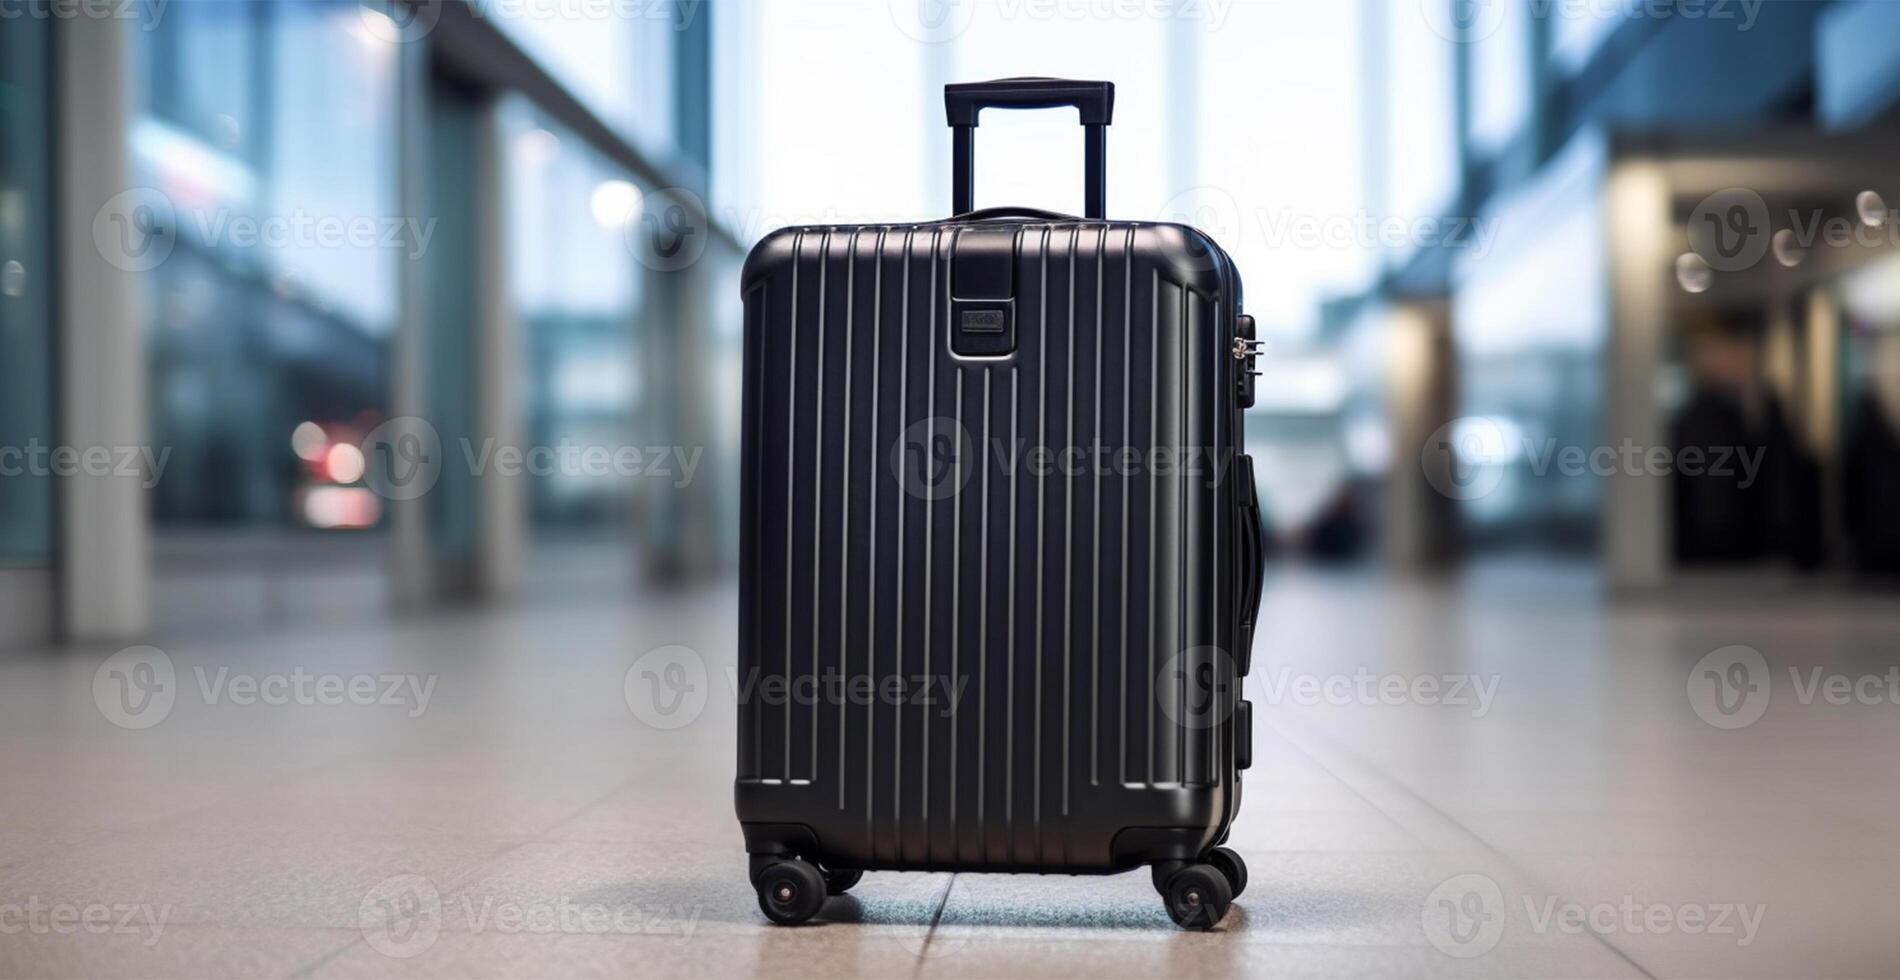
(27, 357)
(1501, 47)
(268, 131)
(1421, 144)
(578, 292)
(1530, 316)
(619, 59)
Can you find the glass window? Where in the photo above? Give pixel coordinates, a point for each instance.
(1285, 172)
(1035, 158)
(1530, 353)
(579, 291)
(1422, 145)
(1500, 73)
(268, 133)
(617, 58)
(816, 120)
(1578, 30)
(27, 364)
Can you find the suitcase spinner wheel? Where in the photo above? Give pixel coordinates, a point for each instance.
(1198, 896)
(1168, 816)
(791, 892)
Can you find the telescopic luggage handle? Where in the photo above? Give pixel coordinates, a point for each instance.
(1094, 100)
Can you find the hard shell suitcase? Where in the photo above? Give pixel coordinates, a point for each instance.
(1001, 552)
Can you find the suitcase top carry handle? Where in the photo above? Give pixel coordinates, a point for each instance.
(1095, 101)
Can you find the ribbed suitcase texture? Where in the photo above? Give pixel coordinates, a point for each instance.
(1007, 658)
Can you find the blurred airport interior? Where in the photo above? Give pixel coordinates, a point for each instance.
(1614, 284)
(400, 340)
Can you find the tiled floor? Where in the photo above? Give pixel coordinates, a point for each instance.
(1567, 812)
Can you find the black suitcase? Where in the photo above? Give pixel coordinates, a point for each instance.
(1001, 552)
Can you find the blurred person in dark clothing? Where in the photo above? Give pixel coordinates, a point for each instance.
(1727, 512)
(1872, 464)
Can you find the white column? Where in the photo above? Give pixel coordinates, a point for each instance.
(500, 501)
(105, 530)
(1637, 526)
(411, 569)
(1415, 528)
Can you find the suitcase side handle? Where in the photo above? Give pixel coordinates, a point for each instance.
(1094, 101)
